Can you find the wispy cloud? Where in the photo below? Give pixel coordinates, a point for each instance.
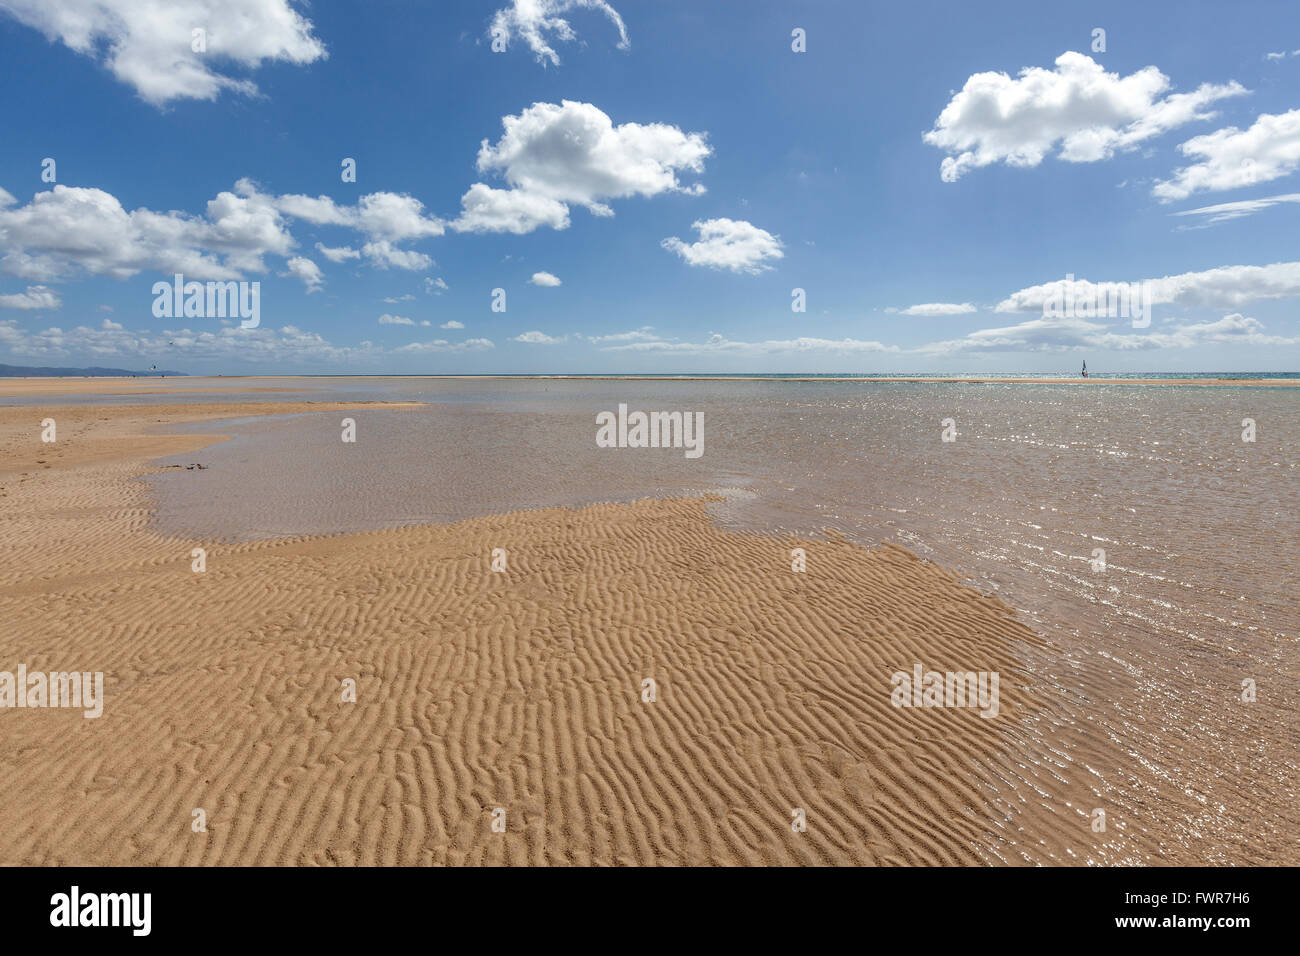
(534, 20)
(1226, 287)
(719, 344)
(936, 309)
(1224, 211)
(1075, 334)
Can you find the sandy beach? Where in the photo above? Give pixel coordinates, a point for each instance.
(646, 680)
(519, 690)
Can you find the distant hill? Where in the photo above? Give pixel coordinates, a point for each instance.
(11, 371)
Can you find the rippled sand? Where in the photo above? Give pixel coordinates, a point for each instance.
(521, 690)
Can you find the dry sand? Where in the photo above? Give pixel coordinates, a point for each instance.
(478, 690)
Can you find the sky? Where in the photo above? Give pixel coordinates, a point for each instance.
(652, 186)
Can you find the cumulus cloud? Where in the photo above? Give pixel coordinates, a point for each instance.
(936, 309)
(1232, 158)
(728, 244)
(434, 286)
(387, 319)
(545, 279)
(148, 44)
(538, 338)
(1226, 287)
(36, 297)
(69, 229)
(452, 324)
(383, 218)
(572, 154)
(485, 209)
(307, 272)
(1092, 114)
(532, 20)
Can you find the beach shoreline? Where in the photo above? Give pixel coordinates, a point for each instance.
(198, 384)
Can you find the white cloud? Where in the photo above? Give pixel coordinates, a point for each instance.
(434, 286)
(720, 344)
(545, 279)
(538, 338)
(394, 299)
(148, 44)
(532, 20)
(337, 254)
(936, 309)
(36, 297)
(307, 271)
(387, 319)
(728, 244)
(508, 210)
(1233, 158)
(452, 324)
(1089, 112)
(442, 345)
(384, 218)
(380, 215)
(1226, 287)
(552, 156)
(1224, 211)
(261, 345)
(69, 228)
(275, 348)
(1075, 334)
(643, 334)
(384, 254)
(394, 217)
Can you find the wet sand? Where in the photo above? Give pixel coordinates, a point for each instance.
(477, 690)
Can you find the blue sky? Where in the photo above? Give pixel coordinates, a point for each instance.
(677, 167)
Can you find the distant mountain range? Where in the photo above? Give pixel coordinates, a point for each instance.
(42, 370)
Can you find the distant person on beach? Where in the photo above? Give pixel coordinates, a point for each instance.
(1085, 368)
